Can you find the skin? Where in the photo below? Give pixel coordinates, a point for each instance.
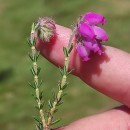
(108, 73)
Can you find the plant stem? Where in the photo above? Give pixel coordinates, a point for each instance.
(35, 70)
(37, 91)
(63, 82)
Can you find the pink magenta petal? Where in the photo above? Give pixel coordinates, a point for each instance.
(100, 33)
(83, 52)
(94, 18)
(93, 45)
(89, 43)
(86, 31)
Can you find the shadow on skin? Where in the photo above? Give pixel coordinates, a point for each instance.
(92, 67)
(85, 70)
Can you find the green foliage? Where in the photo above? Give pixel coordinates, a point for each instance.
(56, 121)
(34, 58)
(65, 52)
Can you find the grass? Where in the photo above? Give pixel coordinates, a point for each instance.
(16, 104)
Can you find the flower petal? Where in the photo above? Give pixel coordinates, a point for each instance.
(93, 45)
(83, 52)
(100, 33)
(94, 18)
(86, 31)
(88, 44)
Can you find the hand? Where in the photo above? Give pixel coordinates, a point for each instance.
(108, 73)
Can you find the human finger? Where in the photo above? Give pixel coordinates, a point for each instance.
(115, 119)
(108, 73)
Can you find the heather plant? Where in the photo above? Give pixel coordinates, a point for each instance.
(86, 37)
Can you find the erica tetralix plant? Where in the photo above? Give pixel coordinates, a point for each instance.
(45, 29)
(89, 35)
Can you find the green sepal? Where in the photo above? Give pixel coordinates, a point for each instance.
(64, 87)
(41, 95)
(37, 26)
(56, 121)
(31, 57)
(50, 104)
(41, 105)
(29, 42)
(31, 85)
(59, 103)
(35, 84)
(33, 71)
(40, 84)
(39, 126)
(37, 119)
(65, 52)
(61, 71)
(33, 30)
(55, 110)
(34, 41)
(33, 27)
(70, 72)
(70, 48)
(38, 70)
(63, 94)
(37, 56)
(59, 87)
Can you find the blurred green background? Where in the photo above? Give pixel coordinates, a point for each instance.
(16, 17)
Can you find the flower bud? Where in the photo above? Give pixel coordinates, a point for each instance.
(46, 29)
(83, 52)
(86, 30)
(94, 18)
(100, 33)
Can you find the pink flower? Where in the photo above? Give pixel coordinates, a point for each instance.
(93, 45)
(94, 18)
(89, 36)
(100, 33)
(86, 31)
(83, 52)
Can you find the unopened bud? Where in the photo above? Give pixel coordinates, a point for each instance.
(47, 29)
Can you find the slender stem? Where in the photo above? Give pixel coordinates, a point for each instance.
(35, 68)
(63, 82)
(37, 91)
(71, 37)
